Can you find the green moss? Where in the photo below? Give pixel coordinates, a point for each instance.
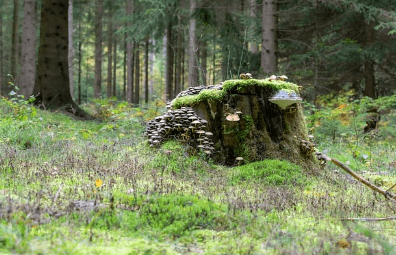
(272, 172)
(215, 95)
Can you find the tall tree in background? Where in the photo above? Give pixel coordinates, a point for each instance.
(1, 47)
(52, 85)
(28, 60)
(71, 49)
(146, 71)
(269, 61)
(192, 48)
(169, 61)
(98, 48)
(136, 91)
(368, 72)
(178, 64)
(110, 51)
(14, 43)
(252, 13)
(129, 56)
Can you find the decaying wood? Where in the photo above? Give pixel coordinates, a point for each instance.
(369, 219)
(387, 194)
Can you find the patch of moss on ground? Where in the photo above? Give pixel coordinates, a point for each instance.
(215, 95)
(271, 172)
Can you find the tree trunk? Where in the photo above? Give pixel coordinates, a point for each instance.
(369, 76)
(146, 71)
(110, 53)
(1, 47)
(71, 49)
(98, 49)
(252, 46)
(169, 63)
(192, 48)
(204, 58)
(269, 60)
(124, 85)
(79, 62)
(136, 91)
(178, 64)
(151, 60)
(14, 41)
(129, 47)
(52, 85)
(115, 66)
(214, 61)
(28, 60)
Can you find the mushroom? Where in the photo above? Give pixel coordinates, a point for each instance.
(233, 117)
(272, 78)
(285, 98)
(248, 75)
(282, 77)
(239, 160)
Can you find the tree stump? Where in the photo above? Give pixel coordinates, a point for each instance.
(246, 124)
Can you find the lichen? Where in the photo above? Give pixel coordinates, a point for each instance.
(215, 95)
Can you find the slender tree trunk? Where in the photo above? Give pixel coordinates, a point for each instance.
(1, 48)
(146, 71)
(124, 95)
(115, 66)
(130, 63)
(214, 61)
(71, 49)
(183, 72)
(151, 61)
(98, 49)
(269, 61)
(28, 60)
(79, 62)
(14, 41)
(110, 53)
(369, 76)
(204, 57)
(192, 48)
(136, 91)
(178, 64)
(252, 46)
(169, 63)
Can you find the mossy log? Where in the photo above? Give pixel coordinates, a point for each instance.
(246, 124)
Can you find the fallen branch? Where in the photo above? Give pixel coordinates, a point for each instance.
(387, 194)
(369, 219)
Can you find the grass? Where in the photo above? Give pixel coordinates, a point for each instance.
(168, 201)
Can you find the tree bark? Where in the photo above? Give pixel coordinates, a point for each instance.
(124, 86)
(178, 64)
(269, 62)
(129, 50)
(151, 60)
(136, 91)
(252, 12)
(71, 49)
(146, 71)
(192, 48)
(52, 85)
(115, 66)
(110, 53)
(169, 62)
(369, 76)
(98, 49)
(14, 41)
(79, 62)
(28, 60)
(204, 59)
(1, 48)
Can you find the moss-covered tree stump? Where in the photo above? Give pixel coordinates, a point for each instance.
(245, 121)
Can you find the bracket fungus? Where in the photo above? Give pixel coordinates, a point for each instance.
(232, 117)
(284, 98)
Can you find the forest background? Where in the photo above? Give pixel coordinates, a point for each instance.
(153, 49)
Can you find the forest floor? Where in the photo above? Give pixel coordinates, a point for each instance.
(86, 187)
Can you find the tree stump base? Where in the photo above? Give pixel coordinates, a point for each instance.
(246, 124)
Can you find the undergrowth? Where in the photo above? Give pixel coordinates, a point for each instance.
(96, 187)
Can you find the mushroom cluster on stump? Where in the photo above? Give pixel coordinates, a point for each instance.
(183, 124)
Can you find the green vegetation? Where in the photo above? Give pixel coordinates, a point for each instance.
(170, 200)
(216, 95)
(270, 172)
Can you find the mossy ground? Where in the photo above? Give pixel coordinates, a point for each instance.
(167, 201)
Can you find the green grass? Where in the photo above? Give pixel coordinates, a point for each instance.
(170, 200)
